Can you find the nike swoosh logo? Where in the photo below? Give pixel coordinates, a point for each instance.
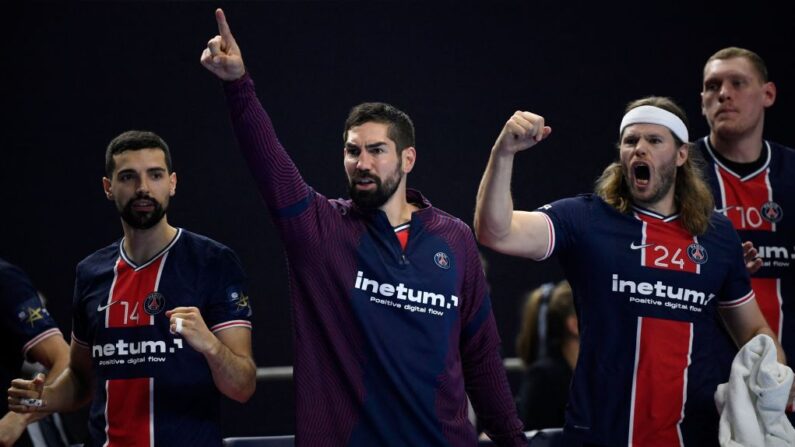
(723, 210)
(100, 308)
(638, 247)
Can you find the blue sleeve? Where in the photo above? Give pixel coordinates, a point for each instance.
(79, 319)
(484, 376)
(23, 314)
(227, 303)
(568, 220)
(736, 289)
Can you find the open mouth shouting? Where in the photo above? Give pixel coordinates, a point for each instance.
(641, 174)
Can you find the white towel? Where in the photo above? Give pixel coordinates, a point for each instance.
(752, 403)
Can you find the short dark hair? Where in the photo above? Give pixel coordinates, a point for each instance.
(401, 129)
(732, 52)
(133, 140)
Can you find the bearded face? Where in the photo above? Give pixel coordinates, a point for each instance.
(369, 191)
(142, 212)
(373, 165)
(649, 158)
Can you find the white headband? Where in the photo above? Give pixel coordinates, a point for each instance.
(655, 115)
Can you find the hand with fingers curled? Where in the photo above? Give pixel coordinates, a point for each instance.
(522, 131)
(188, 323)
(26, 396)
(752, 260)
(222, 55)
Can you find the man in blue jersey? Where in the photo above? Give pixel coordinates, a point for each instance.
(752, 179)
(28, 332)
(392, 318)
(153, 376)
(649, 263)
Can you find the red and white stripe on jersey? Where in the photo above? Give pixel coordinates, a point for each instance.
(129, 413)
(664, 243)
(131, 285)
(232, 323)
(551, 235)
(35, 340)
(768, 296)
(659, 383)
(741, 198)
(738, 302)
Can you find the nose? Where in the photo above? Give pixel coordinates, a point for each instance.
(364, 162)
(143, 186)
(641, 148)
(724, 92)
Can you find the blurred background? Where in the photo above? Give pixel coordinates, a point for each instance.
(76, 74)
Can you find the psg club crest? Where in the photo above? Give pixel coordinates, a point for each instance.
(697, 253)
(772, 212)
(442, 260)
(154, 303)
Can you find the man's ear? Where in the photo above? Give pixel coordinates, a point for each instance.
(172, 184)
(682, 153)
(106, 187)
(409, 157)
(769, 92)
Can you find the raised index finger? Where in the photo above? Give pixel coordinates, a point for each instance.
(223, 26)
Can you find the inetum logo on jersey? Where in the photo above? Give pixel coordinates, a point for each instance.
(413, 300)
(122, 351)
(773, 256)
(669, 296)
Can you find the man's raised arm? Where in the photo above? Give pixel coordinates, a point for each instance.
(497, 225)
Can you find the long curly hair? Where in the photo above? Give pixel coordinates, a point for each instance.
(692, 197)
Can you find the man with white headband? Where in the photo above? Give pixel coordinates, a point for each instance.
(161, 321)
(651, 267)
(752, 180)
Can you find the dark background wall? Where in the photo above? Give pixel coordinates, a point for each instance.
(77, 74)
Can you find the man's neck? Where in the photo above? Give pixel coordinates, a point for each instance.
(141, 245)
(664, 207)
(397, 209)
(742, 149)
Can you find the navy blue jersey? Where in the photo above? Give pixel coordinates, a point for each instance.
(646, 293)
(24, 321)
(761, 206)
(388, 341)
(152, 388)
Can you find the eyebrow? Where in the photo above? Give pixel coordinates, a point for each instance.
(149, 170)
(734, 74)
(367, 146)
(643, 134)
